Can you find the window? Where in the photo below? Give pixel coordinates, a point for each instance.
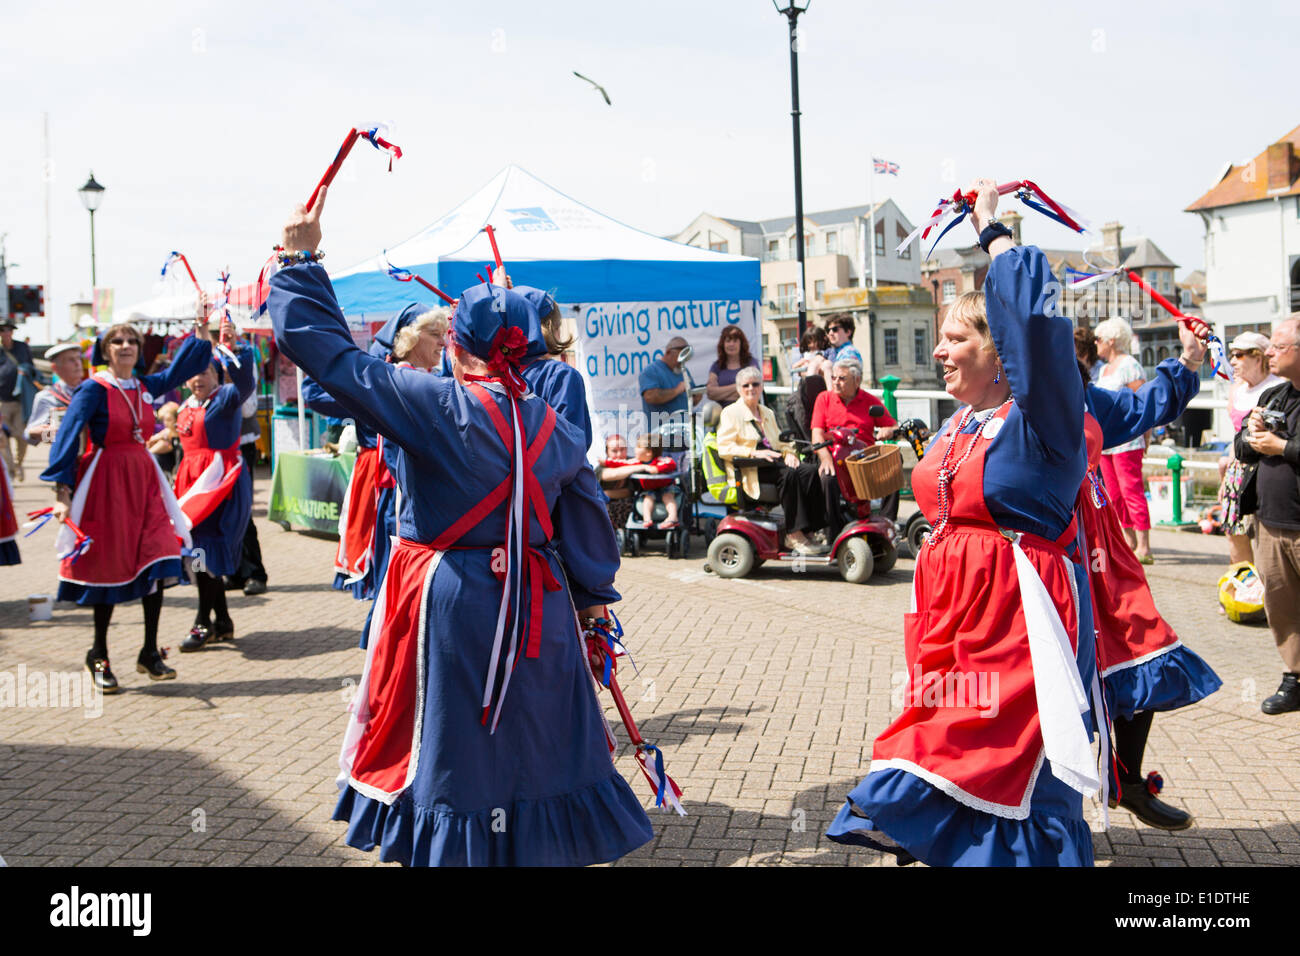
(762, 294)
(880, 238)
(832, 243)
(719, 246)
(786, 297)
(891, 346)
(819, 289)
(902, 234)
(773, 248)
(1148, 357)
(920, 346)
(949, 290)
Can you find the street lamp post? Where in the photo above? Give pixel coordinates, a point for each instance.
(791, 12)
(92, 194)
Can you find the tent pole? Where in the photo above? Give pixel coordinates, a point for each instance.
(302, 416)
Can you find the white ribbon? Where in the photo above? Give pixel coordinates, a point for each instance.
(1057, 687)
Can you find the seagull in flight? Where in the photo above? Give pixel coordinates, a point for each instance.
(596, 86)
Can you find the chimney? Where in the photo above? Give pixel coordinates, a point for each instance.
(1110, 239)
(1012, 219)
(1281, 162)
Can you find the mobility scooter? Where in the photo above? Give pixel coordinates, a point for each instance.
(865, 545)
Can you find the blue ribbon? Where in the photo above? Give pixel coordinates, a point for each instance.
(956, 220)
(661, 778)
(40, 523)
(1032, 204)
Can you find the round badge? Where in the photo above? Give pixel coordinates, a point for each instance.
(148, 399)
(992, 428)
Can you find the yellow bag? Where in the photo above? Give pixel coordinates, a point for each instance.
(1241, 592)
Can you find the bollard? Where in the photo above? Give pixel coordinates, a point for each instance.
(889, 383)
(1175, 466)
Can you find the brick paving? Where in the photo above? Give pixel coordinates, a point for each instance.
(765, 694)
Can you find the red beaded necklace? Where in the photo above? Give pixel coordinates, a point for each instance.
(946, 473)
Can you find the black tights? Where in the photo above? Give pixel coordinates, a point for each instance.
(152, 604)
(212, 600)
(1130, 744)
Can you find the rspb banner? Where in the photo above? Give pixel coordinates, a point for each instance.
(617, 340)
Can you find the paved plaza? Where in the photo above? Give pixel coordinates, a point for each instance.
(764, 693)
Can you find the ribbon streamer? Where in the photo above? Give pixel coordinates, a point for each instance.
(601, 641)
(406, 275)
(370, 134)
(41, 519)
(176, 257)
(959, 204)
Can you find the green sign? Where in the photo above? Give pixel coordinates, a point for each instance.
(307, 490)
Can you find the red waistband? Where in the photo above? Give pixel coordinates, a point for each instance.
(1062, 545)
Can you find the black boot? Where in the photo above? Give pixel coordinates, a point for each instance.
(198, 636)
(102, 673)
(151, 663)
(1137, 798)
(1287, 697)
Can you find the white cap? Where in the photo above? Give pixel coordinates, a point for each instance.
(1249, 340)
(56, 350)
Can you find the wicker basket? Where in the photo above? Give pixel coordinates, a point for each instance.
(876, 471)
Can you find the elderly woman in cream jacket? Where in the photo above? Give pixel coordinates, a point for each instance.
(748, 430)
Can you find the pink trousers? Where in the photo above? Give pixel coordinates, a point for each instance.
(1122, 473)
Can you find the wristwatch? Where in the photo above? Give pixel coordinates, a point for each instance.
(991, 231)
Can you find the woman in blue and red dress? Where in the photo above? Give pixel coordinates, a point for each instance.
(213, 485)
(1145, 667)
(991, 759)
(476, 737)
(8, 522)
(118, 497)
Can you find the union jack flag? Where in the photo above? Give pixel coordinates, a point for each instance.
(884, 166)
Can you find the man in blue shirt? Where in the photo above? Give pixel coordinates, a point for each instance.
(663, 390)
(839, 329)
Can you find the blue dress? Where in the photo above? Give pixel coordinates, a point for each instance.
(1145, 664)
(136, 549)
(220, 536)
(542, 789)
(952, 784)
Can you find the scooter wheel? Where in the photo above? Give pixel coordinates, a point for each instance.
(917, 530)
(884, 558)
(732, 555)
(634, 545)
(856, 562)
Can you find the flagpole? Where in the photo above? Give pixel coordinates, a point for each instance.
(871, 201)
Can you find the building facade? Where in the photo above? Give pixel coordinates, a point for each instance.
(837, 257)
(1252, 241)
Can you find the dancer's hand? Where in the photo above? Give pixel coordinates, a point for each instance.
(302, 232)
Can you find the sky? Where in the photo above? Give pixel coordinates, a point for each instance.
(207, 122)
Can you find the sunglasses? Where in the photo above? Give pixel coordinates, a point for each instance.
(1240, 354)
(122, 342)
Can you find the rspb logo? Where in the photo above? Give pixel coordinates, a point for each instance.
(532, 219)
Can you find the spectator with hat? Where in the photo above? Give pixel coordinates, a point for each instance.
(51, 402)
(1271, 441)
(1250, 380)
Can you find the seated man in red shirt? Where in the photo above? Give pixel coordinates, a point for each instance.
(846, 404)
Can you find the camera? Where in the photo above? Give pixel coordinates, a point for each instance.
(1274, 420)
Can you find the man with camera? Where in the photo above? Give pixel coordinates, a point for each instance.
(1271, 438)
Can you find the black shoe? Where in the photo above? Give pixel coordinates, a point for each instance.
(198, 636)
(1287, 697)
(222, 631)
(235, 584)
(151, 663)
(253, 587)
(1138, 800)
(105, 682)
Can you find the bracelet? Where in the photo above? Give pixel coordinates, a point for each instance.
(292, 258)
(1188, 364)
(991, 232)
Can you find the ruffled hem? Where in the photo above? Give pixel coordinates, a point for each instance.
(9, 553)
(937, 830)
(597, 824)
(1174, 679)
(362, 590)
(167, 573)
